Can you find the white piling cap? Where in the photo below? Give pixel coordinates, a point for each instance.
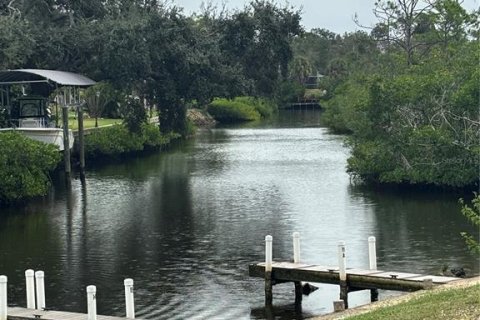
(296, 234)
(3, 279)
(29, 273)
(128, 282)
(341, 243)
(268, 238)
(39, 274)
(91, 289)
(371, 239)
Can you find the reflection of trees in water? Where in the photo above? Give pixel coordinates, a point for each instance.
(418, 231)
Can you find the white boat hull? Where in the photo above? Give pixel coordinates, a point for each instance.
(46, 135)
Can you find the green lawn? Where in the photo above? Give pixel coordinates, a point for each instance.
(458, 303)
(90, 122)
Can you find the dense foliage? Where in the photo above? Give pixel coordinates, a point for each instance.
(117, 140)
(472, 213)
(151, 50)
(407, 93)
(24, 167)
(240, 109)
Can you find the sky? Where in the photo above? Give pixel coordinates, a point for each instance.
(334, 15)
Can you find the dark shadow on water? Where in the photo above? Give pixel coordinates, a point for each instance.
(280, 312)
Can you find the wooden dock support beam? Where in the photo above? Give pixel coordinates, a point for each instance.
(81, 143)
(92, 303)
(129, 301)
(3, 297)
(342, 269)
(40, 286)
(372, 259)
(66, 143)
(296, 247)
(268, 271)
(296, 259)
(30, 288)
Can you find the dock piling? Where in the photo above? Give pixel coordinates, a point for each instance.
(91, 303)
(296, 247)
(372, 259)
(372, 253)
(296, 259)
(3, 297)
(30, 288)
(342, 272)
(268, 270)
(40, 286)
(129, 300)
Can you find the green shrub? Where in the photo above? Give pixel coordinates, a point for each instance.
(24, 167)
(117, 139)
(241, 109)
(472, 213)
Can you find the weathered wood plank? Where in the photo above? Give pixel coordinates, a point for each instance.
(357, 278)
(16, 313)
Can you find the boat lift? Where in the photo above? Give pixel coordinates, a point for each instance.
(29, 112)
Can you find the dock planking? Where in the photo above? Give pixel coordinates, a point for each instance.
(15, 313)
(356, 278)
(348, 279)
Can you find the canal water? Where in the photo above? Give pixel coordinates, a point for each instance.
(185, 224)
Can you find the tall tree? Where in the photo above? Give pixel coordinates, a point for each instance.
(398, 22)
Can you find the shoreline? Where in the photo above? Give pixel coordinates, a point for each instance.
(393, 301)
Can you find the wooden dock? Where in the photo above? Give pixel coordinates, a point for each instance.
(15, 313)
(349, 279)
(356, 279)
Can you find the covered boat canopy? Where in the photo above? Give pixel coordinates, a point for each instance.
(60, 78)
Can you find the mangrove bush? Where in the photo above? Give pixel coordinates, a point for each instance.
(25, 165)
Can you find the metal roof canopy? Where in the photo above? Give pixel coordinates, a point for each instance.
(61, 78)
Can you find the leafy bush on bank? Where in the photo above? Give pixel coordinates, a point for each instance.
(117, 140)
(241, 109)
(24, 167)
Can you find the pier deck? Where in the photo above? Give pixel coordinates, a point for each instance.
(15, 313)
(359, 279)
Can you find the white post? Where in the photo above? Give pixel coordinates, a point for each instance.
(268, 253)
(3, 298)
(296, 247)
(372, 253)
(342, 261)
(40, 282)
(129, 301)
(30, 285)
(92, 303)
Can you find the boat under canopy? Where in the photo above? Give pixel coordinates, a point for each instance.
(30, 113)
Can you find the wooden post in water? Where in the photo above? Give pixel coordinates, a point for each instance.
(129, 301)
(372, 259)
(40, 286)
(66, 142)
(81, 144)
(296, 259)
(30, 288)
(268, 270)
(91, 303)
(342, 273)
(3, 298)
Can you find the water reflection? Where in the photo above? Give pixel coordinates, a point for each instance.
(185, 224)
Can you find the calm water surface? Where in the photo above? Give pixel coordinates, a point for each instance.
(185, 224)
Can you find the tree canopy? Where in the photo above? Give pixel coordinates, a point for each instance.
(152, 50)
